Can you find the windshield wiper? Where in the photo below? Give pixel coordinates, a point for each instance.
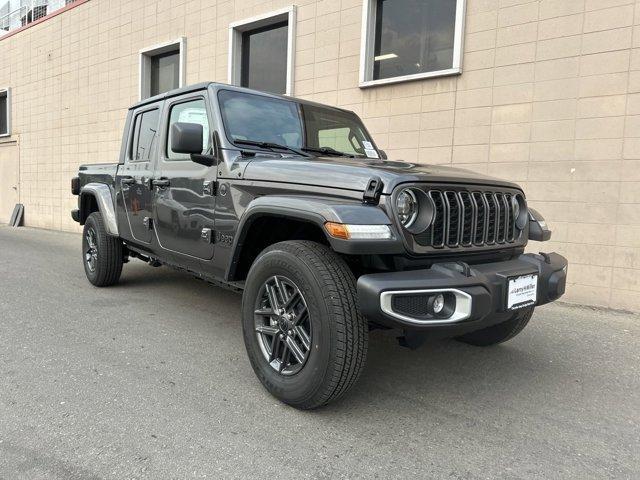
(272, 146)
(328, 151)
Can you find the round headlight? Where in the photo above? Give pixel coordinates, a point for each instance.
(520, 211)
(515, 206)
(407, 207)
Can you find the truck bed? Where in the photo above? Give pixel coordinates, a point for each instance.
(98, 173)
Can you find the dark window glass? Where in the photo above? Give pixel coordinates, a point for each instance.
(165, 72)
(4, 114)
(264, 59)
(260, 118)
(413, 36)
(145, 132)
(335, 129)
(189, 112)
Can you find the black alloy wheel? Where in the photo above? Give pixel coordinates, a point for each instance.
(102, 254)
(91, 249)
(283, 326)
(304, 334)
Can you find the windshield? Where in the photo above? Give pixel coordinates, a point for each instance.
(259, 118)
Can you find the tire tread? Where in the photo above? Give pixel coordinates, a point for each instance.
(340, 295)
(109, 266)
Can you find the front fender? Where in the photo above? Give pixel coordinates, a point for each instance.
(104, 200)
(318, 211)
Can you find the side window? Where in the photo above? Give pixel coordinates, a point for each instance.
(145, 132)
(194, 111)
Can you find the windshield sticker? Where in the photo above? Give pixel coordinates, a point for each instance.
(367, 145)
(371, 153)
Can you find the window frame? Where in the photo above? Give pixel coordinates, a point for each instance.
(7, 90)
(367, 47)
(237, 29)
(144, 76)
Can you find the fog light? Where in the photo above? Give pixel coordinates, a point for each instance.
(438, 304)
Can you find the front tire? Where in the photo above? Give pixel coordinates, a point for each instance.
(101, 253)
(499, 333)
(305, 337)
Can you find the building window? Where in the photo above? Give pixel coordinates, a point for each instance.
(261, 52)
(264, 59)
(5, 112)
(162, 68)
(410, 39)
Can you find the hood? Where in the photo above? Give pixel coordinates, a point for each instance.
(354, 173)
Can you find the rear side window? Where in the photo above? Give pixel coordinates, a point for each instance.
(145, 133)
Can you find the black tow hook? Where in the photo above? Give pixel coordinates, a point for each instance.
(466, 269)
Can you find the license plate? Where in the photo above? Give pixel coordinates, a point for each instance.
(522, 291)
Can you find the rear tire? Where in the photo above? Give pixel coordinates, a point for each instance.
(334, 330)
(101, 253)
(499, 333)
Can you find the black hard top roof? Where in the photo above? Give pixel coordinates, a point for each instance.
(205, 85)
(171, 93)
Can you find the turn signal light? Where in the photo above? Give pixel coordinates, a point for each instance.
(337, 230)
(358, 232)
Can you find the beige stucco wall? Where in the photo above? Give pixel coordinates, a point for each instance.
(549, 97)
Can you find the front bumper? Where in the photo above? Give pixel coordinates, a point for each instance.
(480, 291)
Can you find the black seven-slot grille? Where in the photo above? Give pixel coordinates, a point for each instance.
(467, 219)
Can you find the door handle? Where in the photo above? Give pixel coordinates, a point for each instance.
(161, 183)
(127, 180)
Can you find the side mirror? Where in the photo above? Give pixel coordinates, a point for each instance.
(538, 229)
(186, 138)
(383, 154)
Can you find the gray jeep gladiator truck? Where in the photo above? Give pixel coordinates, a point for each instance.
(292, 203)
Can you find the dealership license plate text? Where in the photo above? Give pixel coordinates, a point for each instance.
(522, 291)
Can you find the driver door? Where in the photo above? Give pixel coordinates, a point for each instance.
(184, 200)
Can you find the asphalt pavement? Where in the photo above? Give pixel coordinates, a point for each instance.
(149, 380)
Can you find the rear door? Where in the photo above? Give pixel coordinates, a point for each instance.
(133, 178)
(184, 200)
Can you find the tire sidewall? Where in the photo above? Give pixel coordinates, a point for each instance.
(298, 388)
(92, 223)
